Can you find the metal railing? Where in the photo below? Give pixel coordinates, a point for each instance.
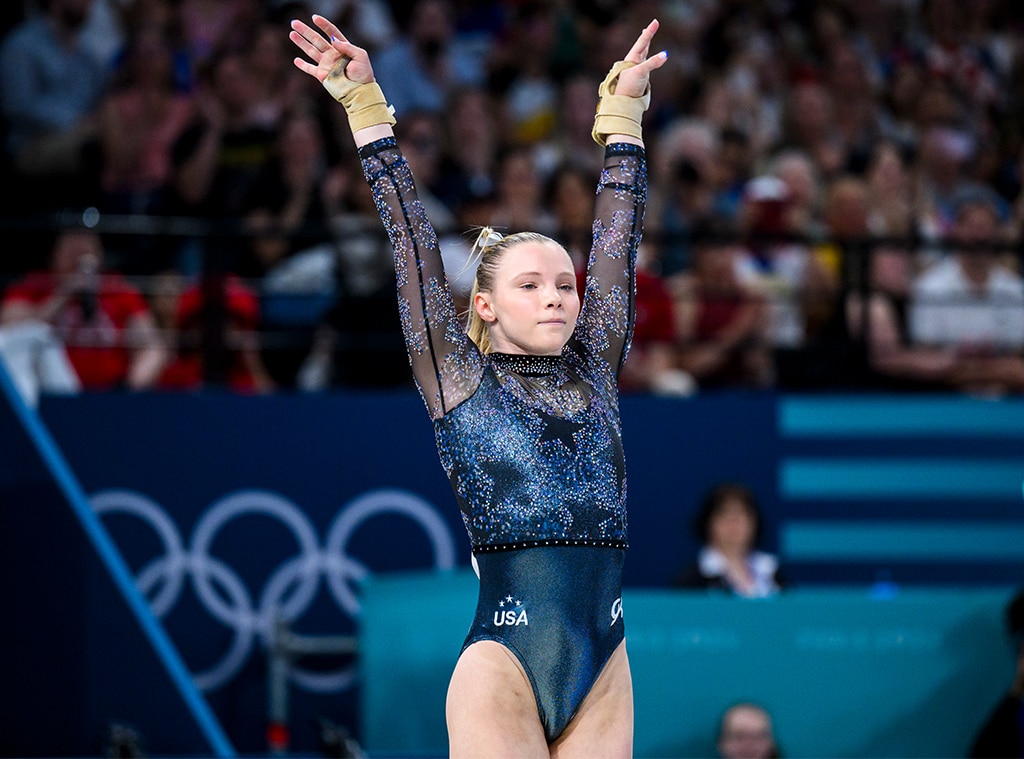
(213, 267)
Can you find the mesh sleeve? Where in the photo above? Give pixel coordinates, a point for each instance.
(445, 363)
(609, 301)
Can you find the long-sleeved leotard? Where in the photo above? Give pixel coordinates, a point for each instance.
(531, 444)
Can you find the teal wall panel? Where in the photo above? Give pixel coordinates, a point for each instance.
(842, 673)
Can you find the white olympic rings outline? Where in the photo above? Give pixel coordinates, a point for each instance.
(290, 588)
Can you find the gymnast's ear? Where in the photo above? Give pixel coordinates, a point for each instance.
(483, 307)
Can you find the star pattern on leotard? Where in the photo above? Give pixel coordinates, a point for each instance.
(491, 411)
(561, 429)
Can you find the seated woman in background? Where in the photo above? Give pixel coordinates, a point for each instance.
(729, 527)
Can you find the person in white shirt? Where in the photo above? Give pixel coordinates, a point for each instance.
(972, 302)
(728, 526)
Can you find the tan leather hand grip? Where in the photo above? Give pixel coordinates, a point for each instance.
(364, 103)
(618, 114)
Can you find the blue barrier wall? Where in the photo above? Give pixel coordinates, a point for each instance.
(235, 512)
(80, 651)
(919, 489)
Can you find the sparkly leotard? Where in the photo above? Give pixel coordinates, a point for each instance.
(531, 444)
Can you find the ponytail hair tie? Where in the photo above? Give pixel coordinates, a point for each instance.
(487, 237)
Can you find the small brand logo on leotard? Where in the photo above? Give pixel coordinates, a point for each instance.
(616, 610)
(511, 612)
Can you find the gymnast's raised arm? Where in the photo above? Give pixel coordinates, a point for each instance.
(446, 364)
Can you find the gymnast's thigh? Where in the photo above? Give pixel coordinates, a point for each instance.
(603, 726)
(491, 710)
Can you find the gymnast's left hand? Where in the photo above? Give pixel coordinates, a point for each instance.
(633, 82)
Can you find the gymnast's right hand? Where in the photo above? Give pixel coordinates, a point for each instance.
(327, 49)
(344, 70)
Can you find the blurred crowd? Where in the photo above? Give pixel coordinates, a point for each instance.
(835, 187)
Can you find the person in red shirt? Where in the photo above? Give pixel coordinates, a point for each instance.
(721, 317)
(103, 321)
(217, 320)
(650, 366)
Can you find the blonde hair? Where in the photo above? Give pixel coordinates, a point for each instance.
(487, 252)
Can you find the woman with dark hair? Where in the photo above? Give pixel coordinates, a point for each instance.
(728, 527)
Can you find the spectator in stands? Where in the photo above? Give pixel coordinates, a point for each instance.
(291, 257)
(651, 366)
(900, 99)
(51, 86)
(140, 118)
(799, 286)
(519, 202)
(869, 346)
(734, 169)
(1002, 733)
(422, 135)
(571, 140)
(746, 732)
(847, 220)
(728, 526)
(269, 63)
(163, 18)
(873, 348)
(163, 292)
(858, 113)
(36, 361)
(715, 104)
(220, 155)
(289, 203)
(101, 318)
(217, 345)
(569, 195)
(810, 124)
(530, 100)
(971, 302)
(891, 201)
(805, 188)
(420, 68)
(471, 144)
(721, 316)
(212, 26)
(685, 189)
(949, 55)
(941, 175)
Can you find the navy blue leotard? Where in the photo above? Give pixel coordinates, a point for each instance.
(531, 444)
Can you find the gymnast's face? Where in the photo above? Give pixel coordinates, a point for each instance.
(533, 306)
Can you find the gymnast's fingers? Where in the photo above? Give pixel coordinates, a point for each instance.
(643, 43)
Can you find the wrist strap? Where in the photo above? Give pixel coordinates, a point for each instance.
(618, 114)
(365, 104)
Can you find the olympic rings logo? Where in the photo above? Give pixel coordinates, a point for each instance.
(291, 587)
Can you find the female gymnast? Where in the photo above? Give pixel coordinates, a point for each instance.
(525, 410)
